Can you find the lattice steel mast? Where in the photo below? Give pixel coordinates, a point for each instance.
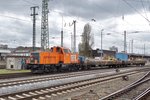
(44, 26)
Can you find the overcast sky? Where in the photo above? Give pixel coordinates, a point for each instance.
(114, 16)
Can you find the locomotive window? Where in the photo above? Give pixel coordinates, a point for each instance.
(51, 50)
(66, 51)
(59, 50)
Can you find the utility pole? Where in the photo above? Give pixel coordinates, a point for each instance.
(144, 48)
(129, 47)
(71, 43)
(62, 33)
(132, 46)
(74, 23)
(33, 9)
(44, 26)
(61, 38)
(102, 43)
(125, 43)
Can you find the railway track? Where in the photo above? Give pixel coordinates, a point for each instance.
(29, 74)
(4, 83)
(52, 92)
(130, 88)
(143, 95)
(39, 78)
(15, 75)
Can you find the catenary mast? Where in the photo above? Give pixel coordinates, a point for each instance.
(44, 26)
(34, 14)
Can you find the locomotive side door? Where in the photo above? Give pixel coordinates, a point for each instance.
(60, 55)
(67, 53)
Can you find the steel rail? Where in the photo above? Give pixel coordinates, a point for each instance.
(52, 77)
(127, 88)
(143, 95)
(54, 90)
(15, 75)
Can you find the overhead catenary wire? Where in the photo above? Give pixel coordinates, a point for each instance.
(144, 9)
(136, 10)
(15, 18)
(31, 3)
(30, 21)
(144, 1)
(96, 25)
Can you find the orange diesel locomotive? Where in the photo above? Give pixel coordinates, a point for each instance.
(56, 59)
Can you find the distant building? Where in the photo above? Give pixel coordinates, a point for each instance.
(113, 48)
(16, 62)
(16, 59)
(4, 51)
(105, 53)
(3, 46)
(21, 49)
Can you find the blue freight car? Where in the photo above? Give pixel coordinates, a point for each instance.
(81, 59)
(121, 56)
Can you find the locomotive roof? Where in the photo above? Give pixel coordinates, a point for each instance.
(59, 47)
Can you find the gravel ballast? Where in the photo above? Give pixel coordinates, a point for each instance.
(108, 87)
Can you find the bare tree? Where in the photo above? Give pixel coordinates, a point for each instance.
(87, 42)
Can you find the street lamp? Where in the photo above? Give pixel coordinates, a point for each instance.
(125, 40)
(102, 41)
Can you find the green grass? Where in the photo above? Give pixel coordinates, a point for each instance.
(6, 71)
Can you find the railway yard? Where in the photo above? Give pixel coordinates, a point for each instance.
(72, 58)
(104, 84)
